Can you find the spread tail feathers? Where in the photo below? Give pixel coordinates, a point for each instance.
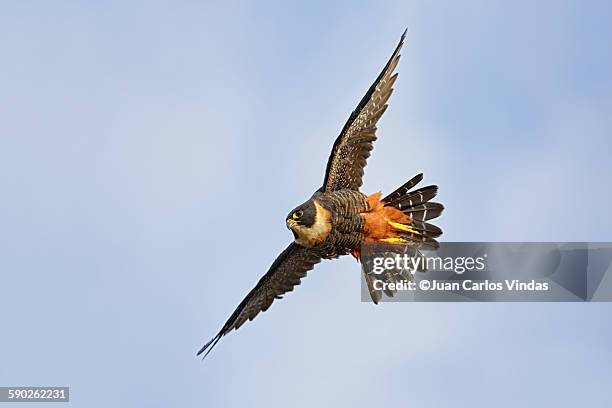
(412, 235)
(416, 205)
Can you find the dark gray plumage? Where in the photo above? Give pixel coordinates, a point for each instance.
(330, 222)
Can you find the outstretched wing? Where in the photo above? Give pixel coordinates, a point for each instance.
(284, 274)
(352, 148)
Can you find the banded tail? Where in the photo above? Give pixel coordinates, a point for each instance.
(412, 234)
(417, 206)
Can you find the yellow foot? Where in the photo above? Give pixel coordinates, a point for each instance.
(403, 227)
(393, 240)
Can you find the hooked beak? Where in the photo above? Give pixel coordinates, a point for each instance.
(291, 223)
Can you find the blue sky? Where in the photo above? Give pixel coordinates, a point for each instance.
(150, 151)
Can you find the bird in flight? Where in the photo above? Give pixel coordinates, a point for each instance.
(338, 218)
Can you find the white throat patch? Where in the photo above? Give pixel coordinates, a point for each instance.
(317, 232)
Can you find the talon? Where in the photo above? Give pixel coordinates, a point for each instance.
(393, 240)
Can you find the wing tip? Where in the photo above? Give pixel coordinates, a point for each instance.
(210, 345)
(402, 39)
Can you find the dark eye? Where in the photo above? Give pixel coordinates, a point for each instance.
(298, 214)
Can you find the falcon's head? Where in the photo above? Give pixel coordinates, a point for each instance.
(310, 223)
(302, 217)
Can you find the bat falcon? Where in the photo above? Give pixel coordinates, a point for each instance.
(338, 218)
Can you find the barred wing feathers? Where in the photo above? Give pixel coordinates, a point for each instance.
(352, 147)
(285, 273)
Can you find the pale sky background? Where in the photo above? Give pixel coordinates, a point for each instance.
(150, 151)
